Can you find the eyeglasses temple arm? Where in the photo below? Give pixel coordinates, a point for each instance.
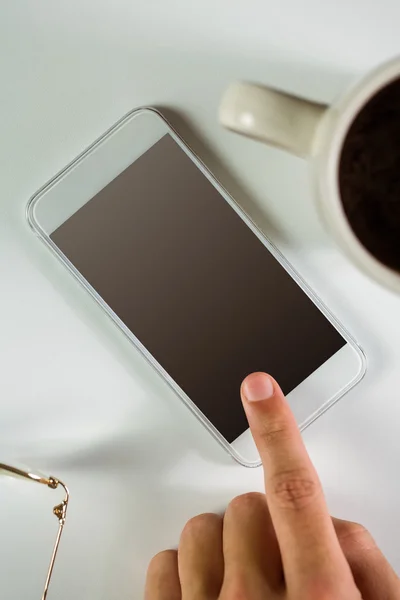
(60, 512)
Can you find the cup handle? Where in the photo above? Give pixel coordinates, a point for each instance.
(270, 116)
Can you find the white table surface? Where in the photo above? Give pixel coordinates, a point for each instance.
(75, 399)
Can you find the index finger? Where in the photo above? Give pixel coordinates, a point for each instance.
(295, 498)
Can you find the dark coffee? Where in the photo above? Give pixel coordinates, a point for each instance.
(369, 176)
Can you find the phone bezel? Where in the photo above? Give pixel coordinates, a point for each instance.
(328, 383)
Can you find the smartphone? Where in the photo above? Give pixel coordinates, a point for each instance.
(190, 280)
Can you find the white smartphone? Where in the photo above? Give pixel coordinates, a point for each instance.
(187, 276)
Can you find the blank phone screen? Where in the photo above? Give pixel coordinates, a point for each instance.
(194, 284)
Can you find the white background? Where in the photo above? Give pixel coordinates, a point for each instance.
(75, 399)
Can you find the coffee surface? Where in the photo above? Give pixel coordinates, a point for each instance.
(369, 176)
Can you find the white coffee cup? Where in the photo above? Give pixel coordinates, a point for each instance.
(314, 131)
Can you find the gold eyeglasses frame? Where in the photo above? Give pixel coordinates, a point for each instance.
(60, 510)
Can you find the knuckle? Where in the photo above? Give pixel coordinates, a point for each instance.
(199, 524)
(320, 588)
(160, 561)
(352, 530)
(276, 421)
(354, 536)
(277, 430)
(237, 587)
(274, 435)
(294, 489)
(246, 502)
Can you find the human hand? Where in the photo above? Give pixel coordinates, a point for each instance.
(281, 545)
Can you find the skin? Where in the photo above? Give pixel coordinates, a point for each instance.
(279, 545)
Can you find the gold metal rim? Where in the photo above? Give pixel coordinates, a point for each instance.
(60, 511)
(25, 474)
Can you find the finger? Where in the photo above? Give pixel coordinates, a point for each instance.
(372, 573)
(162, 581)
(296, 502)
(200, 558)
(251, 550)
